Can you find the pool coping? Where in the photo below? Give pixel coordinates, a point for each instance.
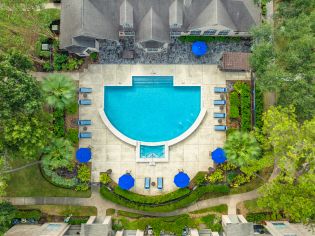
(168, 143)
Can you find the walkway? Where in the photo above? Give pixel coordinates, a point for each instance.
(102, 204)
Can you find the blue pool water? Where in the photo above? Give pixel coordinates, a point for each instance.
(152, 110)
(152, 151)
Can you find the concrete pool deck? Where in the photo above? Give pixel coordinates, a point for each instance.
(191, 154)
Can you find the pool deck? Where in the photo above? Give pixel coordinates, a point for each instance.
(191, 154)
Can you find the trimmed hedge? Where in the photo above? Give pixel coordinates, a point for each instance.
(189, 199)
(259, 108)
(28, 214)
(244, 90)
(263, 216)
(78, 220)
(234, 105)
(160, 199)
(59, 123)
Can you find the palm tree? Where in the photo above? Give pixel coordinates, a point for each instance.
(59, 91)
(59, 154)
(242, 149)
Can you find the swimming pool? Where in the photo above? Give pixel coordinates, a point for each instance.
(152, 109)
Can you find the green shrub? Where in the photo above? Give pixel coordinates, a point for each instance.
(227, 166)
(28, 214)
(73, 64)
(244, 90)
(231, 176)
(57, 180)
(171, 206)
(262, 216)
(212, 222)
(215, 177)
(240, 179)
(78, 220)
(105, 179)
(84, 173)
(234, 105)
(199, 178)
(47, 67)
(73, 108)
(259, 108)
(134, 197)
(94, 56)
(59, 123)
(72, 136)
(60, 60)
(82, 187)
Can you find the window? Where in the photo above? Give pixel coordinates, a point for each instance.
(210, 32)
(195, 32)
(176, 33)
(224, 32)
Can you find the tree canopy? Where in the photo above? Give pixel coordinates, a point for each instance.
(291, 144)
(283, 57)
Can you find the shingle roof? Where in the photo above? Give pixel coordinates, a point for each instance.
(235, 61)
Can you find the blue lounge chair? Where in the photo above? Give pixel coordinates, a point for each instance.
(147, 182)
(84, 122)
(85, 90)
(218, 115)
(219, 102)
(220, 128)
(85, 101)
(85, 135)
(220, 90)
(160, 183)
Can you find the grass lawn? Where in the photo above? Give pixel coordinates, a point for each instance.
(223, 209)
(63, 210)
(29, 182)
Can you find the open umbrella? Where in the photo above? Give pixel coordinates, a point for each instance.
(181, 180)
(199, 48)
(126, 181)
(218, 156)
(83, 155)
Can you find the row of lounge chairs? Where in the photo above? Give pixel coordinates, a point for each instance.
(85, 90)
(219, 103)
(147, 183)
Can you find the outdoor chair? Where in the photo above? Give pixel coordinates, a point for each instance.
(147, 182)
(220, 128)
(85, 135)
(160, 183)
(84, 122)
(218, 115)
(85, 102)
(219, 102)
(220, 90)
(85, 90)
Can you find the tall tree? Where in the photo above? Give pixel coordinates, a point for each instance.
(59, 91)
(292, 146)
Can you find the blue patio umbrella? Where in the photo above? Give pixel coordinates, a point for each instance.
(199, 48)
(126, 181)
(181, 180)
(83, 155)
(218, 156)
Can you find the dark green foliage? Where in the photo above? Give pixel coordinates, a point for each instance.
(28, 214)
(244, 90)
(7, 214)
(59, 123)
(192, 38)
(47, 66)
(212, 222)
(262, 216)
(19, 60)
(152, 199)
(231, 176)
(199, 178)
(234, 105)
(129, 214)
(73, 108)
(59, 61)
(259, 108)
(78, 220)
(191, 198)
(72, 136)
(94, 56)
